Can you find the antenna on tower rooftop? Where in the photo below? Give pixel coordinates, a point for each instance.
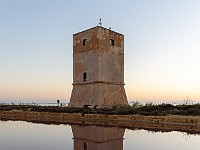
(100, 23)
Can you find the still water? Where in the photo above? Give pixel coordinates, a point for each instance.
(17, 135)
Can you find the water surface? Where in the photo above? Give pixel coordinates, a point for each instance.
(17, 135)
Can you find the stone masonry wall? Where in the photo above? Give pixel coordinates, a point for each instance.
(104, 65)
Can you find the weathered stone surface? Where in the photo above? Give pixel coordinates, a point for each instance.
(100, 94)
(104, 65)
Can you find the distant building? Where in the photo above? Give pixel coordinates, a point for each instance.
(98, 68)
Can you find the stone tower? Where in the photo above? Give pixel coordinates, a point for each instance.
(98, 68)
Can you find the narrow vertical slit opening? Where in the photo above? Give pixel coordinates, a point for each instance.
(85, 76)
(85, 146)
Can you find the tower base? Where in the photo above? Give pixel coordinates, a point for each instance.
(99, 94)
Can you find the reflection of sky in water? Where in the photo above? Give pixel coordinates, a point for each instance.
(29, 136)
(145, 140)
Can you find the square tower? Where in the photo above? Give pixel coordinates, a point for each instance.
(98, 68)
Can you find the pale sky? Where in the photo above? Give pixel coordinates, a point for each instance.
(162, 47)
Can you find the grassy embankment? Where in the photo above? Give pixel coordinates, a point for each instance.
(135, 109)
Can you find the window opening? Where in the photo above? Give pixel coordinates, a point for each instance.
(112, 42)
(84, 41)
(85, 146)
(84, 76)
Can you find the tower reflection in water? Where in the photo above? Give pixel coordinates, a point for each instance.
(97, 138)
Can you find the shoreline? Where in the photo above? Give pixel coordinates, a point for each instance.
(188, 124)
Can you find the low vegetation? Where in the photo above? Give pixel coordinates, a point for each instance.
(136, 108)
